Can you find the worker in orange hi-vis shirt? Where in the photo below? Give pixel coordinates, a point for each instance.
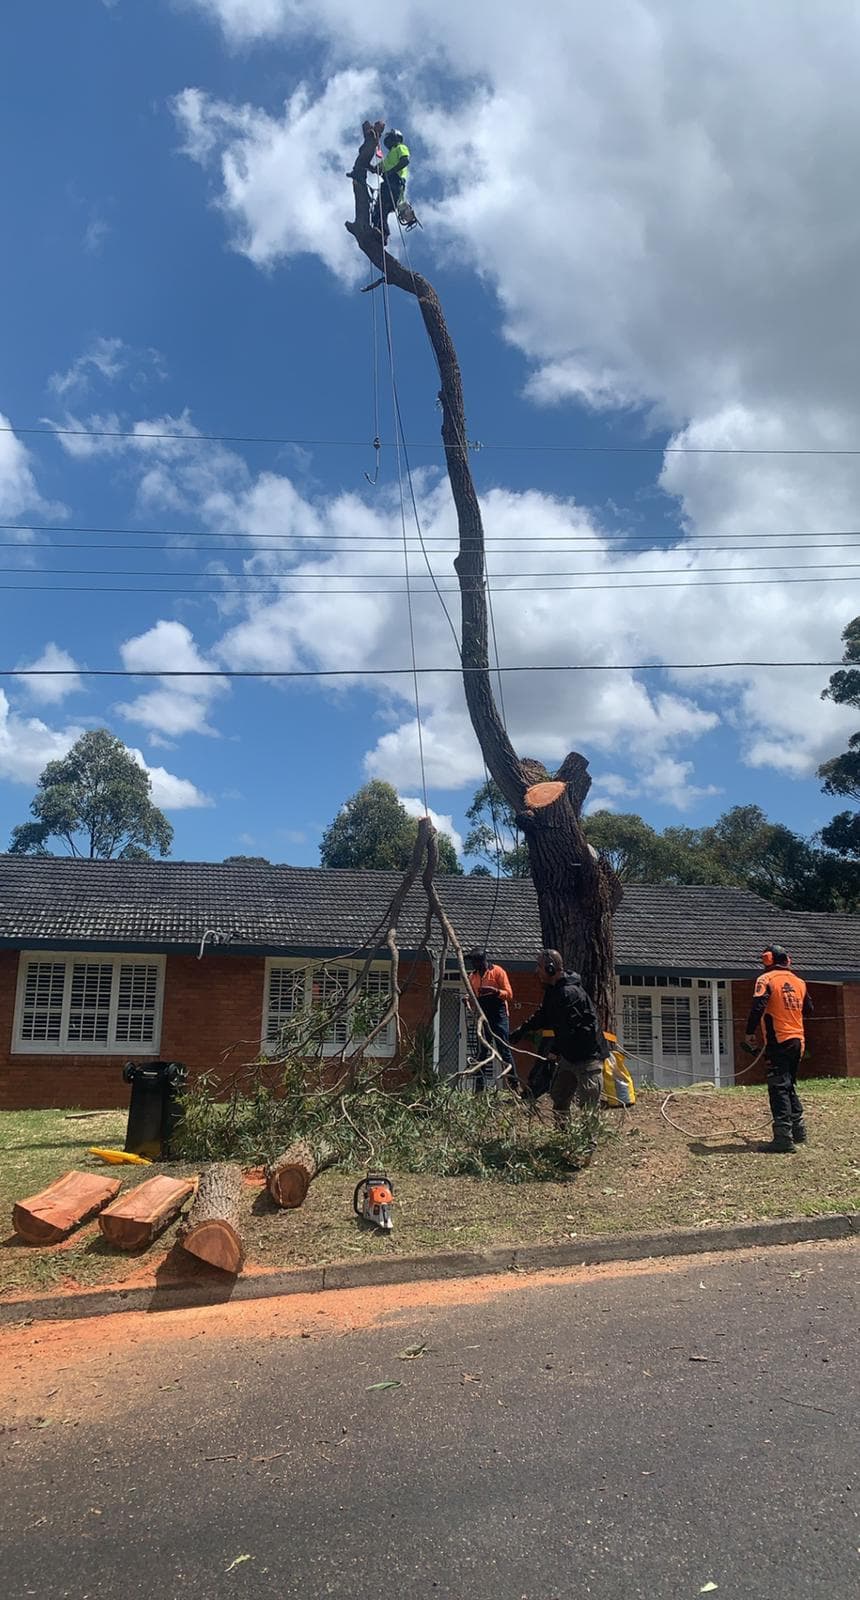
(781, 1000)
(492, 988)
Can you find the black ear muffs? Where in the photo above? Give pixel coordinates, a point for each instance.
(549, 967)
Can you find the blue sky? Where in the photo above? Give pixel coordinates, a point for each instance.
(638, 226)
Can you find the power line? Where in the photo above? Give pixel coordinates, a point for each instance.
(473, 444)
(620, 547)
(335, 576)
(686, 541)
(394, 672)
(276, 588)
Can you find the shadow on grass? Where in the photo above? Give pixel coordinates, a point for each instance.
(72, 1143)
(264, 1206)
(697, 1147)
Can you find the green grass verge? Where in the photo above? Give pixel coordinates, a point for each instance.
(651, 1176)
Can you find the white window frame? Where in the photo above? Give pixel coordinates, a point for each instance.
(87, 1047)
(378, 1049)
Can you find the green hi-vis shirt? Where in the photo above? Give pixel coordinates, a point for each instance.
(393, 159)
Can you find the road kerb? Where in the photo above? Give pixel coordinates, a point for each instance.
(380, 1271)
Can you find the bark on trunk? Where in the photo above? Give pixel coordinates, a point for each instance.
(47, 1217)
(577, 894)
(211, 1229)
(134, 1220)
(289, 1178)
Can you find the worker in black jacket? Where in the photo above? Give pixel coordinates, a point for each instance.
(579, 1042)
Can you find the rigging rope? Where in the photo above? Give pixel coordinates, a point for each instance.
(464, 449)
(409, 607)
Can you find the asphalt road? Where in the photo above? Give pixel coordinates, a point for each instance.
(607, 1434)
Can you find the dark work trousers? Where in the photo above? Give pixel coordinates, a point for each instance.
(785, 1107)
(391, 191)
(499, 1029)
(581, 1081)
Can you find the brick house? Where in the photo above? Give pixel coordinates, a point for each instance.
(102, 961)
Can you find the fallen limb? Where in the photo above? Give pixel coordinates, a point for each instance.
(289, 1176)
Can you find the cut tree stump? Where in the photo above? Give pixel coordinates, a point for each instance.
(134, 1220)
(539, 795)
(67, 1202)
(289, 1177)
(211, 1229)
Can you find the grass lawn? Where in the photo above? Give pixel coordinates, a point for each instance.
(650, 1176)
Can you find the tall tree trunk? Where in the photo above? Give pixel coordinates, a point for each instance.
(576, 892)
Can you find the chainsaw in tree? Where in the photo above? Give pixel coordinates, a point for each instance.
(373, 1199)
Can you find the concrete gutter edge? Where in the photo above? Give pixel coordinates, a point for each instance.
(218, 1289)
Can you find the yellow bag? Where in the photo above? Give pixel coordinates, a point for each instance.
(618, 1086)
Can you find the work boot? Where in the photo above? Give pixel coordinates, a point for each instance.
(778, 1146)
(798, 1133)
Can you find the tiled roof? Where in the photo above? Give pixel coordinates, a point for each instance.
(163, 905)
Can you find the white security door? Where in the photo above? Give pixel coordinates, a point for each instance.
(676, 1044)
(637, 1034)
(666, 1028)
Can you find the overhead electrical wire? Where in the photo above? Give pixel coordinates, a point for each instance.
(450, 542)
(395, 672)
(336, 577)
(275, 587)
(473, 444)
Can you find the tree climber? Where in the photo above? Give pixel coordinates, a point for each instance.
(392, 169)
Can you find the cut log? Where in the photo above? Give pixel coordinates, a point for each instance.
(289, 1177)
(211, 1229)
(138, 1216)
(539, 795)
(67, 1202)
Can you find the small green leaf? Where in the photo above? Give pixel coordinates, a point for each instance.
(387, 1383)
(237, 1563)
(707, 1588)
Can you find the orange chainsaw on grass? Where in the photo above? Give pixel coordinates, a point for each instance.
(373, 1199)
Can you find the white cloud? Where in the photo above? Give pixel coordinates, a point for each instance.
(106, 357)
(442, 821)
(95, 233)
(51, 690)
(177, 705)
(19, 492)
(168, 792)
(283, 184)
(27, 744)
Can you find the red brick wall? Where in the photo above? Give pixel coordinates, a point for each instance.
(851, 1017)
(212, 1021)
(829, 1049)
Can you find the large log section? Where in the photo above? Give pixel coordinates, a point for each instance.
(47, 1217)
(290, 1176)
(134, 1220)
(211, 1229)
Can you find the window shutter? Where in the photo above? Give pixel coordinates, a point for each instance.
(286, 997)
(42, 1012)
(330, 989)
(137, 999)
(377, 989)
(89, 1007)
